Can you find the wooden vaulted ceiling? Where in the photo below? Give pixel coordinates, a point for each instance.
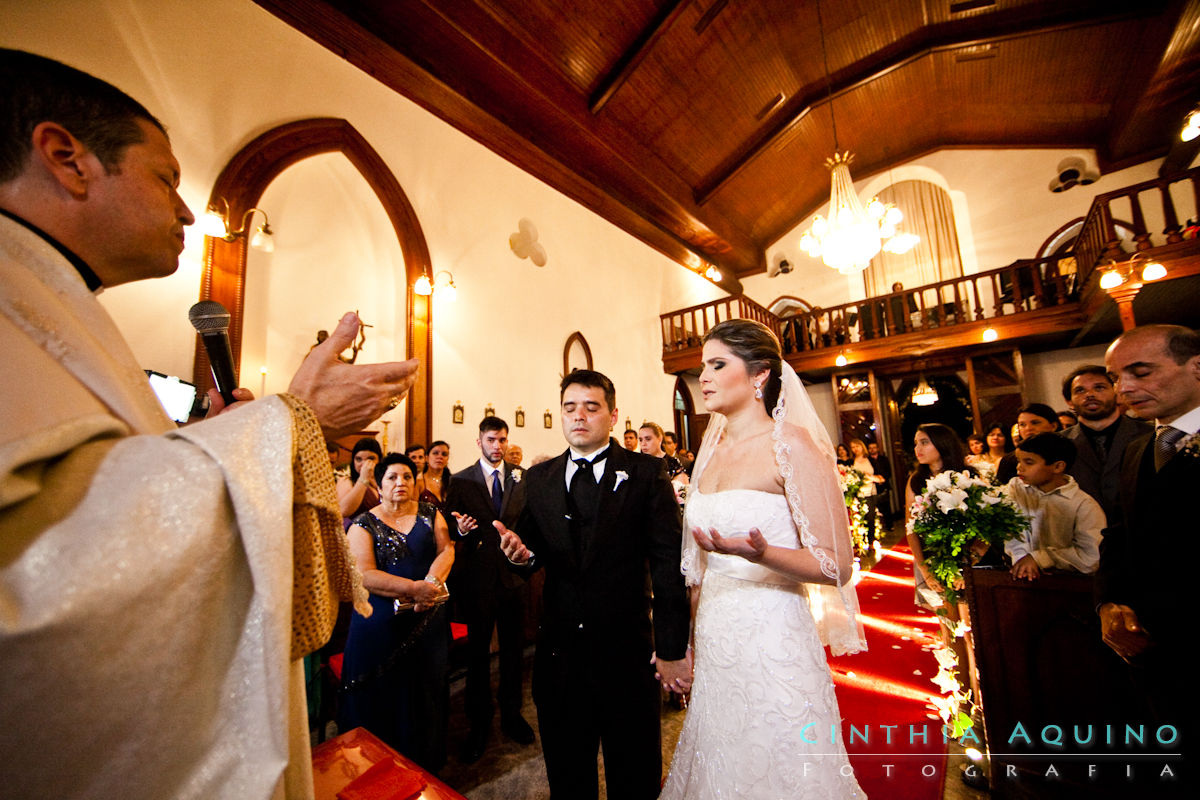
(702, 126)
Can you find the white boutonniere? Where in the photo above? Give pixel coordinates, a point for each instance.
(1191, 446)
(516, 475)
(622, 475)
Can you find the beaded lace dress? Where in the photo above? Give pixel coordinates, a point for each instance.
(763, 721)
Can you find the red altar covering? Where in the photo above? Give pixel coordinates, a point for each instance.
(358, 766)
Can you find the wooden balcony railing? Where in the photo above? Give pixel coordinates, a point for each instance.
(684, 328)
(1022, 287)
(1146, 205)
(1026, 285)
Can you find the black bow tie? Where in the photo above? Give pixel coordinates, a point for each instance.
(583, 463)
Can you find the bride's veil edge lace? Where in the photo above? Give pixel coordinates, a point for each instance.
(834, 608)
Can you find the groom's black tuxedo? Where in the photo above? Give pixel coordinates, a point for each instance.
(1158, 512)
(593, 681)
(488, 592)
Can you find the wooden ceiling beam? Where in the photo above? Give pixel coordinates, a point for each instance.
(629, 61)
(969, 32)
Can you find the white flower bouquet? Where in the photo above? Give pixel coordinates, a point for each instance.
(956, 511)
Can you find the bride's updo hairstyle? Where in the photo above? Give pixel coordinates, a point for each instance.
(755, 344)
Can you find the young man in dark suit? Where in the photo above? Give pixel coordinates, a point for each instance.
(604, 524)
(1100, 438)
(1144, 614)
(489, 593)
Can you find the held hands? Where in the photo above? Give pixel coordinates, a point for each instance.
(348, 397)
(1121, 630)
(752, 547)
(512, 546)
(675, 676)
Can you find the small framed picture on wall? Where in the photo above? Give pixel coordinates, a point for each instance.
(548, 419)
(457, 414)
(519, 417)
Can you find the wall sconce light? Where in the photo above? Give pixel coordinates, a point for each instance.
(424, 286)
(841, 359)
(713, 274)
(1191, 126)
(1122, 282)
(990, 334)
(1118, 274)
(216, 224)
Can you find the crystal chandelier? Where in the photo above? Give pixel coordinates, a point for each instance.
(924, 394)
(852, 235)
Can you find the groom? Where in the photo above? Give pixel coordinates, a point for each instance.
(604, 524)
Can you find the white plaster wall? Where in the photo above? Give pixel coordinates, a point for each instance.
(1044, 371)
(217, 88)
(1003, 207)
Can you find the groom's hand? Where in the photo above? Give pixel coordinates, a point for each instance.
(512, 546)
(675, 676)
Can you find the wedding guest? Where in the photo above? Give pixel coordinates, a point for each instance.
(650, 441)
(862, 462)
(936, 448)
(843, 455)
(514, 454)
(883, 489)
(1065, 523)
(631, 440)
(670, 443)
(416, 452)
(1145, 616)
(434, 482)
(394, 674)
(976, 445)
(1103, 433)
(357, 492)
(1032, 419)
(1067, 419)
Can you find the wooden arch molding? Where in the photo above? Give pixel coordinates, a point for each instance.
(587, 352)
(242, 183)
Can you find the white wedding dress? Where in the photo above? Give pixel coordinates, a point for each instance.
(763, 720)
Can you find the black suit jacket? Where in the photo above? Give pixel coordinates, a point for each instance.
(603, 593)
(1158, 513)
(1103, 481)
(480, 568)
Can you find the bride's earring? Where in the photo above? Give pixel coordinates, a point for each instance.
(758, 391)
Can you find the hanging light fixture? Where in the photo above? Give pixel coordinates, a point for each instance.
(924, 394)
(852, 235)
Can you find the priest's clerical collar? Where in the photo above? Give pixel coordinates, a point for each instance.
(89, 276)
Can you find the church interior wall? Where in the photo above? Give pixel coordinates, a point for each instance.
(220, 73)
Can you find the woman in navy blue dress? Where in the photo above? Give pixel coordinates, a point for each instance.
(394, 680)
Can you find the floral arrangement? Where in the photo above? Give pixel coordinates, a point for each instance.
(956, 511)
(854, 486)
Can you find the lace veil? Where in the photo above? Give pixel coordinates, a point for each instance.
(805, 458)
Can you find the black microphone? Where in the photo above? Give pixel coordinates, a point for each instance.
(211, 321)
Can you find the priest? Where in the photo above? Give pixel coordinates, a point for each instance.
(157, 585)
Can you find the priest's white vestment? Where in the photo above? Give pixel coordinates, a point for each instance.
(146, 572)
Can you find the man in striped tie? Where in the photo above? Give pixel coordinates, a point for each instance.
(1143, 612)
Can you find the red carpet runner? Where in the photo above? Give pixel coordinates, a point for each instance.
(891, 731)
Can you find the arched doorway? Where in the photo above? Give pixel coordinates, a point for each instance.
(242, 183)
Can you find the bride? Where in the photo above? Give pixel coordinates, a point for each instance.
(767, 554)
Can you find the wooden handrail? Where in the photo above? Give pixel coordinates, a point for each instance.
(1098, 241)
